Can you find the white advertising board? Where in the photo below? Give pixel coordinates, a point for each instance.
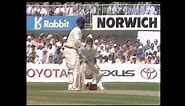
(126, 22)
(46, 73)
(131, 72)
(113, 72)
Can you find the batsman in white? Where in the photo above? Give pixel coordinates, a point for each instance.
(71, 49)
(90, 68)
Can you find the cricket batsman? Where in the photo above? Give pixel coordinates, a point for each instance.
(71, 49)
(91, 70)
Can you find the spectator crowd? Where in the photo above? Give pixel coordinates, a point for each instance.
(89, 8)
(48, 49)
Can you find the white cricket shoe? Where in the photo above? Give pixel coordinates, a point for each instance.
(100, 87)
(70, 87)
(74, 89)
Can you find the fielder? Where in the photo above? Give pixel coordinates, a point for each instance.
(89, 67)
(71, 48)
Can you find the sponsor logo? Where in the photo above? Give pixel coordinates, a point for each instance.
(50, 24)
(121, 22)
(38, 23)
(46, 73)
(118, 72)
(128, 22)
(148, 73)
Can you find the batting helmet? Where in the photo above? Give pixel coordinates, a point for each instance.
(80, 20)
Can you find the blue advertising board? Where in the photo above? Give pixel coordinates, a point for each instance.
(50, 22)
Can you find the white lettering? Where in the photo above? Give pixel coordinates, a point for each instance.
(54, 24)
(37, 24)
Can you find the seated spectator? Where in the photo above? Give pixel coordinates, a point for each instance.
(100, 49)
(113, 58)
(50, 50)
(133, 61)
(152, 10)
(29, 10)
(109, 10)
(137, 9)
(28, 42)
(57, 10)
(122, 59)
(153, 59)
(148, 59)
(158, 51)
(31, 55)
(146, 56)
(125, 8)
(38, 60)
(66, 10)
(39, 43)
(57, 42)
(32, 50)
(138, 43)
(34, 10)
(140, 60)
(128, 59)
(57, 56)
(129, 10)
(155, 44)
(37, 13)
(31, 60)
(44, 56)
(50, 59)
(39, 55)
(96, 44)
(125, 52)
(133, 11)
(114, 10)
(140, 52)
(151, 50)
(93, 10)
(70, 11)
(147, 46)
(157, 61)
(120, 11)
(142, 10)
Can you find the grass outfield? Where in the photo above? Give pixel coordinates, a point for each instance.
(114, 93)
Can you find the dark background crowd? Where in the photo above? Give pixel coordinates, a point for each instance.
(88, 9)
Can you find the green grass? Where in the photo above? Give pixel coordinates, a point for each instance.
(34, 96)
(132, 86)
(73, 98)
(107, 85)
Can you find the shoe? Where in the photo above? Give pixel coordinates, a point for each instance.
(100, 86)
(70, 87)
(74, 89)
(88, 84)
